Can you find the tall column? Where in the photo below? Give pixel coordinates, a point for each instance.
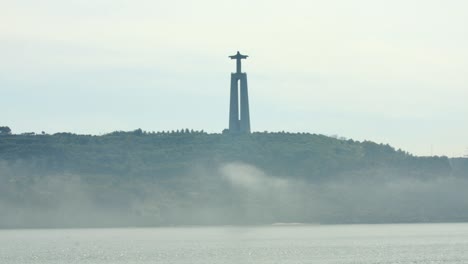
(234, 105)
(239, 124)
(244, 102)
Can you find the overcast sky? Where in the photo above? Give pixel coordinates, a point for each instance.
(389, 71)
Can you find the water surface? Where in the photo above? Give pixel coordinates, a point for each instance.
(404, 243)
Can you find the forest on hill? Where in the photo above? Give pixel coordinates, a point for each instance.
(192, 177)
(162, 154)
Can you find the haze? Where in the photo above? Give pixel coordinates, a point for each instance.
(388, 71)
(227, 194)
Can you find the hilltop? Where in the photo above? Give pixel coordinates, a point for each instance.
(139, 153)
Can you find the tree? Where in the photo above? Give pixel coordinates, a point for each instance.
(4, 130)
(138, 132)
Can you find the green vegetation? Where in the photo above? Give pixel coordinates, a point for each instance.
(4, 130)
(163, 154)
(190, 177)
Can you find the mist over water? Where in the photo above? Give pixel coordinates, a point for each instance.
(227, 193)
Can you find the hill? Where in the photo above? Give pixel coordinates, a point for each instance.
(137, 153)
(191, 177)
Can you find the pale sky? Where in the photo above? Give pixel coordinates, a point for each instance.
(392, 72)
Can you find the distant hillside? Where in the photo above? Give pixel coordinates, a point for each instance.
(188, 177)
(459, 166)
(137, 153)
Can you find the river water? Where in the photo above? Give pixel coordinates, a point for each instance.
(400, 243)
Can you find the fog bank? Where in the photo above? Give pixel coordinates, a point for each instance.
(227, 193)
